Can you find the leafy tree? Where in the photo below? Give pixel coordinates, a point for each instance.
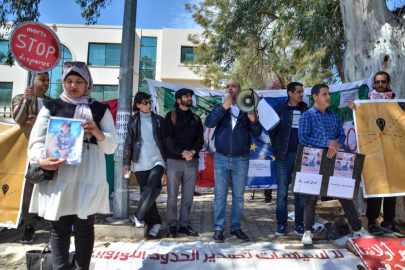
(14, 12)
(256, 41)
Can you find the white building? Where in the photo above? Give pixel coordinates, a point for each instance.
(159, 54)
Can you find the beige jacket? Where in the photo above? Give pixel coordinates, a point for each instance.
(23, 107)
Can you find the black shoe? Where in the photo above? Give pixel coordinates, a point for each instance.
(28, 236)
(171, 232)
(196, 193)
(266, 201)
(389, 227)
(374, 229)
(188, 230)
(241, 235)
(219, 236)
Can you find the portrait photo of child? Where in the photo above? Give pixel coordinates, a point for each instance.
(311, 160)
(345, 165)
(64, 139)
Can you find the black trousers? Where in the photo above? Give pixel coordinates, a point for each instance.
(374, 208)
(61, 231)
(150, 184)
(347, 205)
(28, 218)
(267, 194)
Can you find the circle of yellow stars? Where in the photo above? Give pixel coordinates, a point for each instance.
(253, 148)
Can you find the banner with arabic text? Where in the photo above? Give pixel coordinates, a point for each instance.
(381, 253)
(203, 255)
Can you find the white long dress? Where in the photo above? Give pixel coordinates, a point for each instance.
(80, 190)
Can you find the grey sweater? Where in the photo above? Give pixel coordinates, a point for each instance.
(150, 155)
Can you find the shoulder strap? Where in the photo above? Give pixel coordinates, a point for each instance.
(174, 117)
(215, 133)
(197, 119)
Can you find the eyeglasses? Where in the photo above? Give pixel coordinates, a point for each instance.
(147, 102)
(380, 82)
(75, 63)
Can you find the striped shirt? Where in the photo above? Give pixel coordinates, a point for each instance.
(317, 128)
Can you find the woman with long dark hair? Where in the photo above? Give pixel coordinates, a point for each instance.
(145, 148)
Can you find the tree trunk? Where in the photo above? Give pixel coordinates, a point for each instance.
(375, 41)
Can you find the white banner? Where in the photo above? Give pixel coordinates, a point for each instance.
(202, 255)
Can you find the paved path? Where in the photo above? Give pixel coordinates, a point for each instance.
(258, 222)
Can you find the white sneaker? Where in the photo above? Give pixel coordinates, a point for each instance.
(307, 238)
(362, 233)
(138, 223)
(154, 230)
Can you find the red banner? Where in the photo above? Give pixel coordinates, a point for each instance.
(381, 253)
(113, 107)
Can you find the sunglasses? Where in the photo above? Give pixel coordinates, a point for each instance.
(147, 102)
(380, 82)
(75, 63)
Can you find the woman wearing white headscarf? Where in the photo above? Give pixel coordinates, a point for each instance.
(77, 192)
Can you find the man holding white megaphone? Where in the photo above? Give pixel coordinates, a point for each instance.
(231, 161)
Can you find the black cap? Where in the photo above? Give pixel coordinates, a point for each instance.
(183, 91)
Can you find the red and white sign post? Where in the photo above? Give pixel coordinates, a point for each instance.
(35, 47)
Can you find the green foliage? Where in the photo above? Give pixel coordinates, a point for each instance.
(14, 12)
(257, 41)
(91, 9)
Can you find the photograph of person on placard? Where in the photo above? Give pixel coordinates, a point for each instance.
(305, 161)
(344, 167)
(338, 166)
(312, 158)
(351, 166)
(64, 139)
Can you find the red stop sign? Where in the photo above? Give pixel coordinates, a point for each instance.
(35, 46)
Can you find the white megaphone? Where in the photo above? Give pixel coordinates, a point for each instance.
(247, 101)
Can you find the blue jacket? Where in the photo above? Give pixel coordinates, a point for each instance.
(280, 135)
(230, 142)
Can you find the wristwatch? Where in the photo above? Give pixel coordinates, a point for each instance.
(193, 151)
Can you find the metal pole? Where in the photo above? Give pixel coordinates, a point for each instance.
(121, 185)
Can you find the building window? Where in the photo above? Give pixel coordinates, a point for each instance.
(147, 65)
(55, 85)
(104, 92)
(104, 54)
(6, 90)
(187, 54)
(3, 51)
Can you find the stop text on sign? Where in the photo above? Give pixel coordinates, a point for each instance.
(35, 46)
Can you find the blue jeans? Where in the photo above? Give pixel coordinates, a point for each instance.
(236, 169)
(284, 171)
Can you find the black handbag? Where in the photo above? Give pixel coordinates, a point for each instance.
(42, 259)
(37, 175)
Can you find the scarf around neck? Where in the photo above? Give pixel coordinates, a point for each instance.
(82, 103)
